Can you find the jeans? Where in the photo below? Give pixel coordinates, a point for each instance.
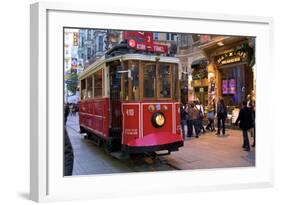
(195, 124)
(189, 128)
(200, 126)
(221, 119)
(182, 128)
(210, 125)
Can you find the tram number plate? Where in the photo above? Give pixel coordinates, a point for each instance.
(130, 112)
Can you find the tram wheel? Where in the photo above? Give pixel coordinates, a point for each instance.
(82, 130)
(108, 146)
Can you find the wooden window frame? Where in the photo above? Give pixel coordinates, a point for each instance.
(171, 77)
(102, 84)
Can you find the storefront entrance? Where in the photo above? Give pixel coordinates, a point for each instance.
(201, 94)
(236, 83)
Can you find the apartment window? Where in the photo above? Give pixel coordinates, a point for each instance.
(183, 40)
(100, 44)
(156, 36)
(168, 36)
(173, 37)
(89, 53)
(89, 35)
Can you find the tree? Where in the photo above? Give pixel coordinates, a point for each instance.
(72, 82)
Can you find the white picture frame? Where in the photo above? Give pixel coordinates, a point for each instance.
(46, 177)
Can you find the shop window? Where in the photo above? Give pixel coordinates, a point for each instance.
(98, 83)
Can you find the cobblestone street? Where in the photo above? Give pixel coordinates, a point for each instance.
(212, 151)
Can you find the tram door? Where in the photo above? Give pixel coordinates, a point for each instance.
(115, 101)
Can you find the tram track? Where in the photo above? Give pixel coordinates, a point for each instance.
(140, 163)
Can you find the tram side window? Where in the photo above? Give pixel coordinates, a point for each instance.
(124, 81)
(83, 89)
(89, 87)
(176, 81)
(135, 80)
(149, 81)
(98, 83)
(165, 78)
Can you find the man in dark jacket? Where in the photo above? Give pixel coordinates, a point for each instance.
(68, 155)
(66, 112)
(246, 123)
(183, 118)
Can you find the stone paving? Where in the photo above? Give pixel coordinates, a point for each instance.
(91, 159)
(213, 151)
(207, 151)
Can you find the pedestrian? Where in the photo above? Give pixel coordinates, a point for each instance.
(245, 120)
(194, 118)
(68, 157)
(221, 116)
(183, 119)
(210, 116)
(66, 112)
(188, 120)
(249, 100)
(253, 130)
(200, 108)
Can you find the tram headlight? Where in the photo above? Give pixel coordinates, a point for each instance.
(158, 119)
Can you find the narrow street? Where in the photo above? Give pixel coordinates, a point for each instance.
(208, 151)
(91, 159)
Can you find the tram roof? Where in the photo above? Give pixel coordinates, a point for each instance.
(125, 57)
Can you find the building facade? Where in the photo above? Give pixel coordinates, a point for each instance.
(94, 43)
(194, 81)
(217, 66)
(231, 70)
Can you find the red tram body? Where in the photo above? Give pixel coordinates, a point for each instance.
(130, 102)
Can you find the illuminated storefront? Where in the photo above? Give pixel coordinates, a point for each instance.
(230, 72)
(200, 80)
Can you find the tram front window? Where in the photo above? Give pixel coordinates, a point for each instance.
(135, 80)
(149, 81)
(165, 81)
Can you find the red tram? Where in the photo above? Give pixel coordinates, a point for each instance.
(129, 101)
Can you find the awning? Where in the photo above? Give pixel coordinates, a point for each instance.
(199, 63)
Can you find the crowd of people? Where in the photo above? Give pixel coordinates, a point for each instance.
(194, 118)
